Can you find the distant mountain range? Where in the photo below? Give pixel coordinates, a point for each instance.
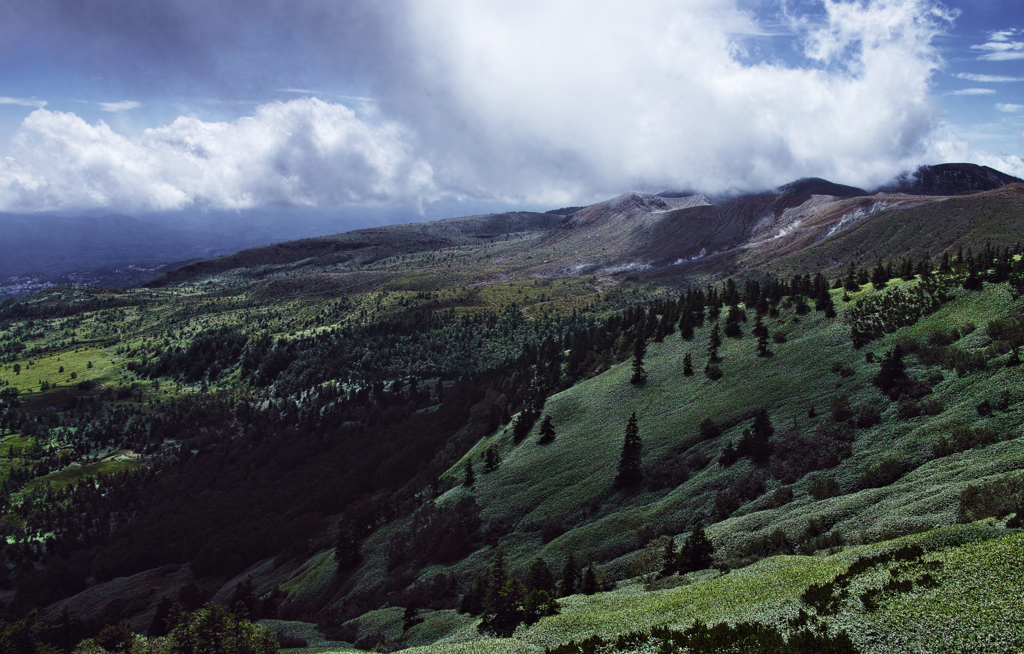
(808, 224)
(634, 230)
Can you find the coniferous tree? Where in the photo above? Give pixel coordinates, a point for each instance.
(539, 577)
(346, 550)
(714, 342)
(756, 442)
(490, 459)
(411, 618)
(696, 552)
(639, 351)
(547, 431)
(850, 283)
(569, 573)
(762, 345)
(686, 325)
(630, 472)
(688, 365)
(668, 559)
(589, 585)
(470, 478)
(879, 276)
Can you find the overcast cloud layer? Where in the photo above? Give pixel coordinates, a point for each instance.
(532, 102)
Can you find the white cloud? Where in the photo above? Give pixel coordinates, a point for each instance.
(303, 152)
(999, 47)
(24, 102)
(989, 79)
(555, 100)
(118, 107)
(1009, 108)
(543, 101)
(973, 92)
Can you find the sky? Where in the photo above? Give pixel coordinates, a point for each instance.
(172, 106)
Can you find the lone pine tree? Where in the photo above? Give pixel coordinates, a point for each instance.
(547, 431)
(630, 473)
(714, 342)
(696, 552)
(639, 352)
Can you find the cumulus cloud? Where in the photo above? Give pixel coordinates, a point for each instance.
(543, 101)
(973, 92)
(24, 102)
(661, 93)
(1009, 108)
(304, 152)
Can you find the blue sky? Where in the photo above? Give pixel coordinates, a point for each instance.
(175, 105)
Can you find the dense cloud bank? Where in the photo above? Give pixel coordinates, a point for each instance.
(540, 102)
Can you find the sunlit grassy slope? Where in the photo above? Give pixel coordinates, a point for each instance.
(572, 478)
(976, 602)
(974, 606)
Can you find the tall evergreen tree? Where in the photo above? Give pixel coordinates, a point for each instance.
(696, 552)
(639, 352)
(470, 478)
(668, 559)
(688, 365)
(850, 283)
(539, 577)
(756, 442)
(346, 550)
(630, 472)
(547, 431)
(491, 459)
(879, 276)
(589, 585)
(569, 573)
(714, 342)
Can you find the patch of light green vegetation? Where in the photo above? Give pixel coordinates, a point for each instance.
(975, 606)
(75, 472)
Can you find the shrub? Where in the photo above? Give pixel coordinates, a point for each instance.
(795, 454)
(779, 337)
(665, 473)
(708, 429)
(839, 406)
(552, 528)
(713, 372)
(965, 438)
(748, 486)
(822, 488)
(908, 409)
(997, 498)
(881, 474)
(868, 416)
(781, 497)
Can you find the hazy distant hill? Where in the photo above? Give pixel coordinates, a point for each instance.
(56, 245)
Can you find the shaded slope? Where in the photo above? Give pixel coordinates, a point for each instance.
(864, 230)
(950, 179)
(368, 245)
(818, 186)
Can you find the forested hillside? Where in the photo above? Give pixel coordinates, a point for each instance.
(438, 446)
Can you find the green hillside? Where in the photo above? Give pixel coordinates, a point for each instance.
(295, 436)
